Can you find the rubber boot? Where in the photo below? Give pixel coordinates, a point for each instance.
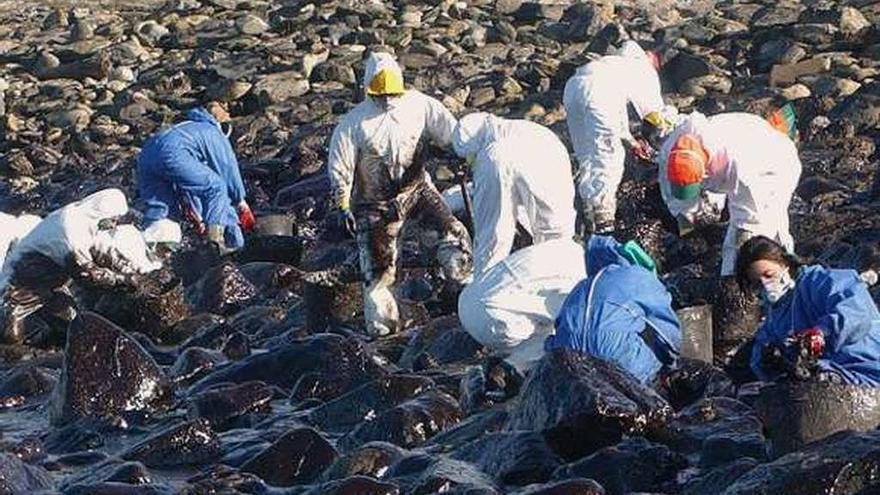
(216, 234)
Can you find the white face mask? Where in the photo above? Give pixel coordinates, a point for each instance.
(774, 290)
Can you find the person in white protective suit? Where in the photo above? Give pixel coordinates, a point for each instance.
(511, 307)
(742, 156)
(517, 164)
(378, 182)
(69, 244)
(12, 230)
(596, 99)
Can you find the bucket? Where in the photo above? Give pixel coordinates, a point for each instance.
(696, 332)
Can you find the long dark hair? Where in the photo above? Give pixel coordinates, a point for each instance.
(763, 248)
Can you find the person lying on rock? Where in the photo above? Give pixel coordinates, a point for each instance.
(742, 156)
(190, 171)
(378, 184)
(517, 165)
(14, 229)
(620, 312)
(73, 242)
(819, 322)
(510, 308)
(596, 99)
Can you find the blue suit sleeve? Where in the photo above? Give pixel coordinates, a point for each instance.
(221, 154)
(657, 305)
(848, 313)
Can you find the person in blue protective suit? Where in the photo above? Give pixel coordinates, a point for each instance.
(190, 171)
(621, 312)
(819, 322)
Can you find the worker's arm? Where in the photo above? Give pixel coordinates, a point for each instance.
(656, 302)
(232, 175)
(494, 213)
(439, 122)
(341, 163)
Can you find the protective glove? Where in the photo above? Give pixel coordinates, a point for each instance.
(342, 220)
(246, 217)
(99, 276)
(810, 342)
(190, 214)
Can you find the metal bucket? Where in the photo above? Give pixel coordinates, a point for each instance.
(696, 332)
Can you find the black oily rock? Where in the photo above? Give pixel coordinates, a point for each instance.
(186, 444)
(692, 380)
(29, 450)
(408, 424)
(87, 433)
(220, 405)
(797, 413)
(204, 330)
(371, 459)
(76, 459)
(424, 474)
(367, 401)
(843, 463)
(116, 488)
(441, 341)
(105, 373)
(224, 290)
(236, 347)
(473, 427)
(27, 382)
(194, 363)
(634, 465)
(297, 458)
(512, 458)
(568, 487)
(583, 403)
(18, 477)
(111, 470)
(736, 316)
(334, 355)
(356, 485)
(717, 479)
(699, 427)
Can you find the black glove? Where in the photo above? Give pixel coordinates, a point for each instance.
(773, 359)
(343, 222)
(101, 277)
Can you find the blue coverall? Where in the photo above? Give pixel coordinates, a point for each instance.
(621, 312)
(838, 303)
(192, 163)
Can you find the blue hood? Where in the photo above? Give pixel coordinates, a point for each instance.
(602, 251)
(200, 114)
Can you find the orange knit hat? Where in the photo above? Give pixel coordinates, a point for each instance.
(686, 166)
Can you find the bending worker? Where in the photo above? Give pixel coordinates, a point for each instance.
(621, 312)
(510, 308)
(70, 244)
(190, 171)
(596, 100)
(377, 184)
(516, 164)
(740, 155)
(14, 229)
(819, 323)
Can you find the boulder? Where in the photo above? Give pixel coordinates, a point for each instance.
(105, 373)
(18, 477)
(187, 444)
(222, 404)
(511, 458)
(297, 458)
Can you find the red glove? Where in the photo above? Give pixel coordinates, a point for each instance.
(812, 340)
(190, 214)
(643, 150)
(246, 217)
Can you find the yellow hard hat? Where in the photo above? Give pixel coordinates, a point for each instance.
(386, 82)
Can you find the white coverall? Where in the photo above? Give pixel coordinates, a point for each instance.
(12, 230)
(517, 164)
(68, 243)
(595, 100)
(753, 164)
(511, 308)
(371, 152)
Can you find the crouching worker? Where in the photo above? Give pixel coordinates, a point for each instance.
(190, 171)
(621, 312)
(819, 323)
(511, 307)
(379, 182)
(70, 245)
(14, 229)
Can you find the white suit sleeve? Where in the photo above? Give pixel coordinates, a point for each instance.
(645, 95)
(494, 213)
(341, 162)
(439, 122)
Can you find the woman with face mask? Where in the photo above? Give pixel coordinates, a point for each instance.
(819, 322)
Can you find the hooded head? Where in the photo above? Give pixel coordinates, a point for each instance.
(103, 205)
(471, 134)
(686, 166)
(383, 76)
(631, 50)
